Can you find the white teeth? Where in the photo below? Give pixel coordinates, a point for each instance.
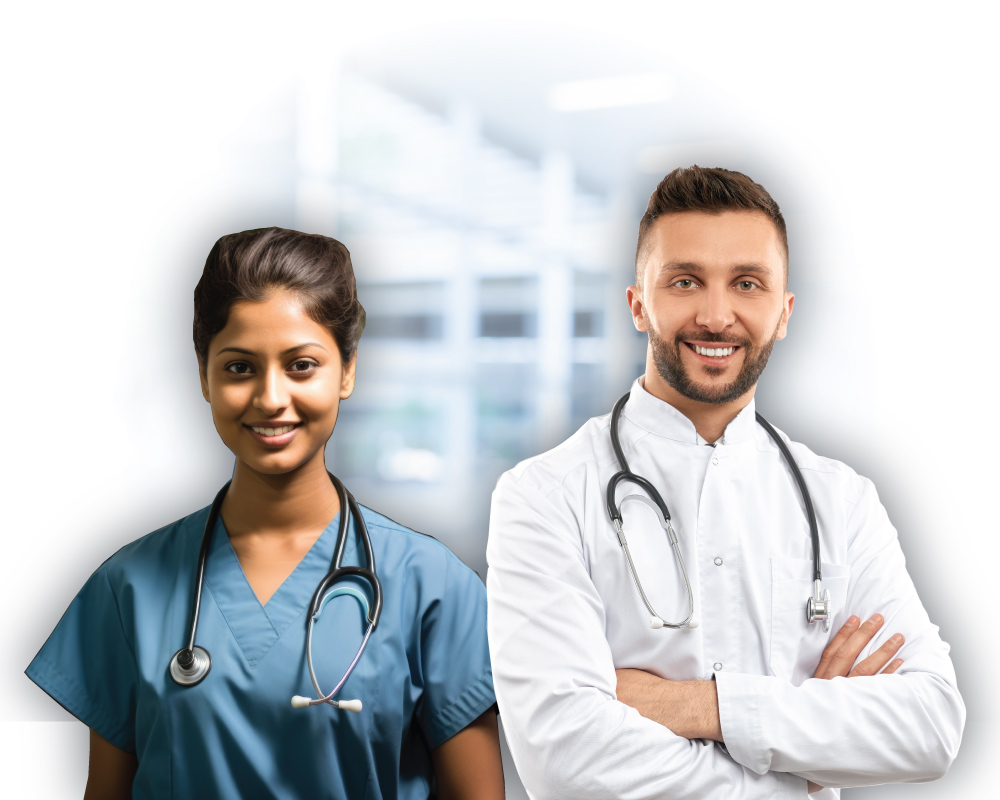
(714, 352)
(272, 431)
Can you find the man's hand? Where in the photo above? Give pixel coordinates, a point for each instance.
(843, 650)
(688, 708)
(846, 646)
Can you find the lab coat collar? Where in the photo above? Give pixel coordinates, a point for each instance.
(662, 419)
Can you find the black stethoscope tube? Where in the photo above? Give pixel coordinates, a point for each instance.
(186, 656)
(626, 475)
(810, 512)
(337, 571)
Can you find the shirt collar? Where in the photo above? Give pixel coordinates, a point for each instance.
(660, 418)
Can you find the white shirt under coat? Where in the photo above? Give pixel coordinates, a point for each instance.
(564, 614)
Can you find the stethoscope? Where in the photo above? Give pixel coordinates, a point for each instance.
(191, 664)
(818, 606)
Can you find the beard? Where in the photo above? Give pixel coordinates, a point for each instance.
(667, 357)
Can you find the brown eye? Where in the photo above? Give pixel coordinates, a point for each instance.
(239, 368)
(302, 366)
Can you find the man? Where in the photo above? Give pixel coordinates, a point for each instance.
(596, 702)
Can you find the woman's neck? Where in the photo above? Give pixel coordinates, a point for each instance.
(258, 503)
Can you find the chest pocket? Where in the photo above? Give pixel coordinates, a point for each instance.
(796, 645)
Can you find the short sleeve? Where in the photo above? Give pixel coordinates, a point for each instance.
(454, 655)
(88, 666)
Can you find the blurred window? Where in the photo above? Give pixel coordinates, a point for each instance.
(508, 307)
(505, 410)
(395, 442)
(589, 292)
(403, 310)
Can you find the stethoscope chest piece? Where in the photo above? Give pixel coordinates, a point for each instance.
(818, 607)
(189, 667)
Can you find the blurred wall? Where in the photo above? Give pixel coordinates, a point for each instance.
(491, 222)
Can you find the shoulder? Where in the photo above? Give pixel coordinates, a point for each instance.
(835, 476)
(588, 450)
(157, 554)
(417, 556)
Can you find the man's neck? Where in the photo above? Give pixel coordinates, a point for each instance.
(709, 419)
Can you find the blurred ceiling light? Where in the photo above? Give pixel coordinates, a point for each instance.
(624, 90)
(411, 464)
(660, 159)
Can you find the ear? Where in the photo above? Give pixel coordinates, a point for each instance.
(203, 374)
(634, 296)
(347, 378)
(786, 312)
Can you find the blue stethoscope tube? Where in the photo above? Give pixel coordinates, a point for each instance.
(818, 607)
(192, 663)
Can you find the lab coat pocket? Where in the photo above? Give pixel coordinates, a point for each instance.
(796, 645)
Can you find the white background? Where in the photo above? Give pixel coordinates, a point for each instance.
(116, 119)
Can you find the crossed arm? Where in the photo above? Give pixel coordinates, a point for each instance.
(691, 708)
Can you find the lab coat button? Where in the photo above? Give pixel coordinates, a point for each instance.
(717, 666)
(715, 461)
(718, 561)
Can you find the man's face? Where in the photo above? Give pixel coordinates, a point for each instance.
(713, 302)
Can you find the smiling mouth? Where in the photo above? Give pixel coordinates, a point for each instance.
(272, 431)
(713, 352)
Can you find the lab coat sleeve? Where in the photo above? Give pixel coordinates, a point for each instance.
(555, 676)
(904, 727)
(87, 665)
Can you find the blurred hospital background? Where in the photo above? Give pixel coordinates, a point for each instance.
(487, 168)
(489, 191)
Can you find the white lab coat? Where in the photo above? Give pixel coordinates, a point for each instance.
(564, 614)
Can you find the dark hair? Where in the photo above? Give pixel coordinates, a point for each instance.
(710, 189)
(252, 264)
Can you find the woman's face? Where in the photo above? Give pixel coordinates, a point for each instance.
(275, 379)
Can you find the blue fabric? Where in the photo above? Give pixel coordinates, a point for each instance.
(424, 675)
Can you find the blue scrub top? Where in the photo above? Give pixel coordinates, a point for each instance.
(424, 675)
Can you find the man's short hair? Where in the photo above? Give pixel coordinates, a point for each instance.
(710, 189)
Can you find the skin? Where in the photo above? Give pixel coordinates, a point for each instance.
(274, 365)
(718, 280)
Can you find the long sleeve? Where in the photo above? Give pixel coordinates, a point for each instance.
(904, 727)
(555, 676)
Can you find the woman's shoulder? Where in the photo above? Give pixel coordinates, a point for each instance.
(158, 552)
(422, 556)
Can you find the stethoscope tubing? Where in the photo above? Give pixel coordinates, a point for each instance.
(192, 663)
(626, 475)
(320, 697)
(806, 499)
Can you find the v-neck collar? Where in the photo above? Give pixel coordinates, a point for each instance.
(257, 627)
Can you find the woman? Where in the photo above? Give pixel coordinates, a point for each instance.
(276, 327)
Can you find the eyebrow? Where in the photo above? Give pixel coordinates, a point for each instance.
(687, 266)
(283, 352)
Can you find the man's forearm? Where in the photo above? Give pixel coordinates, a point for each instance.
(688, 708)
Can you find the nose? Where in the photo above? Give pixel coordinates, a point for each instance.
(272, 392)
(716, 312)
